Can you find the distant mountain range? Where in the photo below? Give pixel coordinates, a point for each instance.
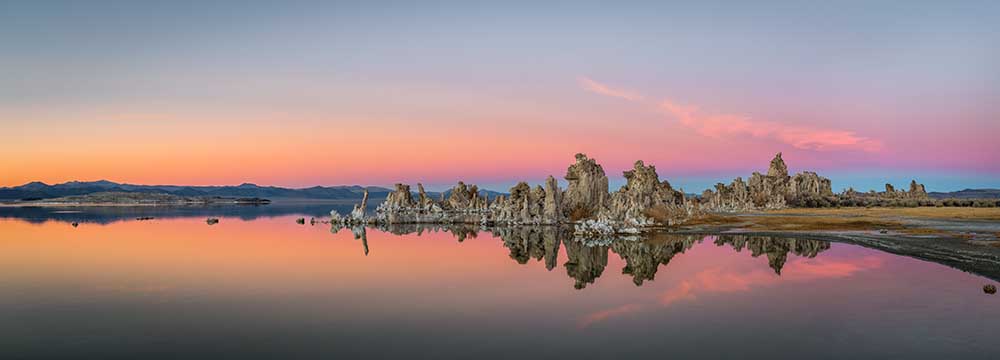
(38, 190)
(967, 194)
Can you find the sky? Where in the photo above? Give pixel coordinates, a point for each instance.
(304, 93)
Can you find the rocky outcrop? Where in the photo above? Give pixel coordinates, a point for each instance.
(552, 210)
(775, 190)
(587, 193)
(423, 200)
(645, 200)
(916, 192)
(401, 197)
(358, 214)
(915, 196)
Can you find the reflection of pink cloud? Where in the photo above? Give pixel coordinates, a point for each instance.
(802, 137)
(681, 292)
(798, 270)
(812, 269)
(596, 87)
(602, 315)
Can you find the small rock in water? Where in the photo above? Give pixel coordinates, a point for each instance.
(312, 221)
(143, 218)
(75, 224)
(990, 289)
(300, 221)
(212, 221)
(883, 231)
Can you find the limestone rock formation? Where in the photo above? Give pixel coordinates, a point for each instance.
(643, 202)
(423, 199)
(401, 197)
(917, 190)
(778, 169)
(552, 206)
(645, 199)
(358, 214)
(776, 190)
(587, 193)
(892, 196)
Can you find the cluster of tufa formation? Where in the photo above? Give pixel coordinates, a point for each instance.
(643, 202)
(776, 190)
(916, 192)
(601, 216)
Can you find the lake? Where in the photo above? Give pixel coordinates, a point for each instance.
(259, 285)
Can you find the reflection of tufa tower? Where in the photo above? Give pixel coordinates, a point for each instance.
(643, 258)
(537, 242)
(776, 249)
(585, 264)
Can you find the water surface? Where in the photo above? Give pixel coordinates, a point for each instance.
(176, 287)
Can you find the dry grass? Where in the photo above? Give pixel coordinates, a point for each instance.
(962, 213)
(579, 213)
(714, 219)
(810, 223)
(658, 213)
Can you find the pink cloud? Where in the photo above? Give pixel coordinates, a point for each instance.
(802, 137)
(730, 125)
(598, 88)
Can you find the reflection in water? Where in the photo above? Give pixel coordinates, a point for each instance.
(643, 258)
(586, 261)
(273, 288)
(776, 249)
(112, 214)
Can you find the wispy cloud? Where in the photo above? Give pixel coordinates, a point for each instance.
(802, 137)
(724, 126)
(598, 88)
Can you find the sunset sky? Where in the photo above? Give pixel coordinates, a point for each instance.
(307, 93)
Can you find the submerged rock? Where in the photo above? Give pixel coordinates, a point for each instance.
(990, 289)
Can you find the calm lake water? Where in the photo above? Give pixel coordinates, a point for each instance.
(258, 285)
